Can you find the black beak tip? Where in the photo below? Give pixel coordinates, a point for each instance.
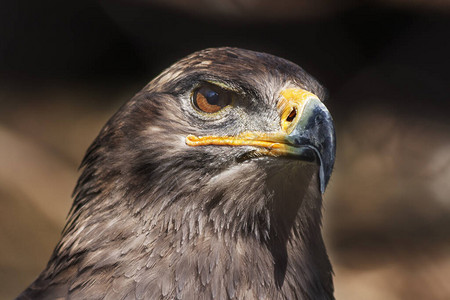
(315, 130)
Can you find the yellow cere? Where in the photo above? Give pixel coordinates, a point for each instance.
(292, 99)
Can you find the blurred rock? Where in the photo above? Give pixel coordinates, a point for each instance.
(35, 189)
(251, 10)
(387, 213)
(43, 136)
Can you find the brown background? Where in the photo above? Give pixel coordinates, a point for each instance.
(65, 67)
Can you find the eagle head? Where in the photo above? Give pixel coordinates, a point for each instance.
(207, 184)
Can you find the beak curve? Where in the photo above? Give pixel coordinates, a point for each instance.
(307, 133)
(315, 130)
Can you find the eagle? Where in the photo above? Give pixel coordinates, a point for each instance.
(207, 184)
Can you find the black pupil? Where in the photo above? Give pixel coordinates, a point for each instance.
(212, 97)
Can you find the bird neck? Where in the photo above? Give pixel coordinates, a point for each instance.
(246, 242)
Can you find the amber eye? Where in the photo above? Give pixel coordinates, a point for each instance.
(211, 99)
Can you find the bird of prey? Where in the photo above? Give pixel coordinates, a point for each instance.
(206, 185)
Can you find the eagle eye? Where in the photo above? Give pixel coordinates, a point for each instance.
(211, 99)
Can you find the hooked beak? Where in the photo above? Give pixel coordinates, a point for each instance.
(315, 130)
(307, 132)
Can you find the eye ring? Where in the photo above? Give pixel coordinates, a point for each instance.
(211, 99)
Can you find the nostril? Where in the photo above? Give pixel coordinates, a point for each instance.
(292, 115)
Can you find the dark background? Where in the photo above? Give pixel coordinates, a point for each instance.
(65, 67)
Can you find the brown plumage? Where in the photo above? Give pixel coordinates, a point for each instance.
(179, 200)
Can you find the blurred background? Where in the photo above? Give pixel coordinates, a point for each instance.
(66, 67)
